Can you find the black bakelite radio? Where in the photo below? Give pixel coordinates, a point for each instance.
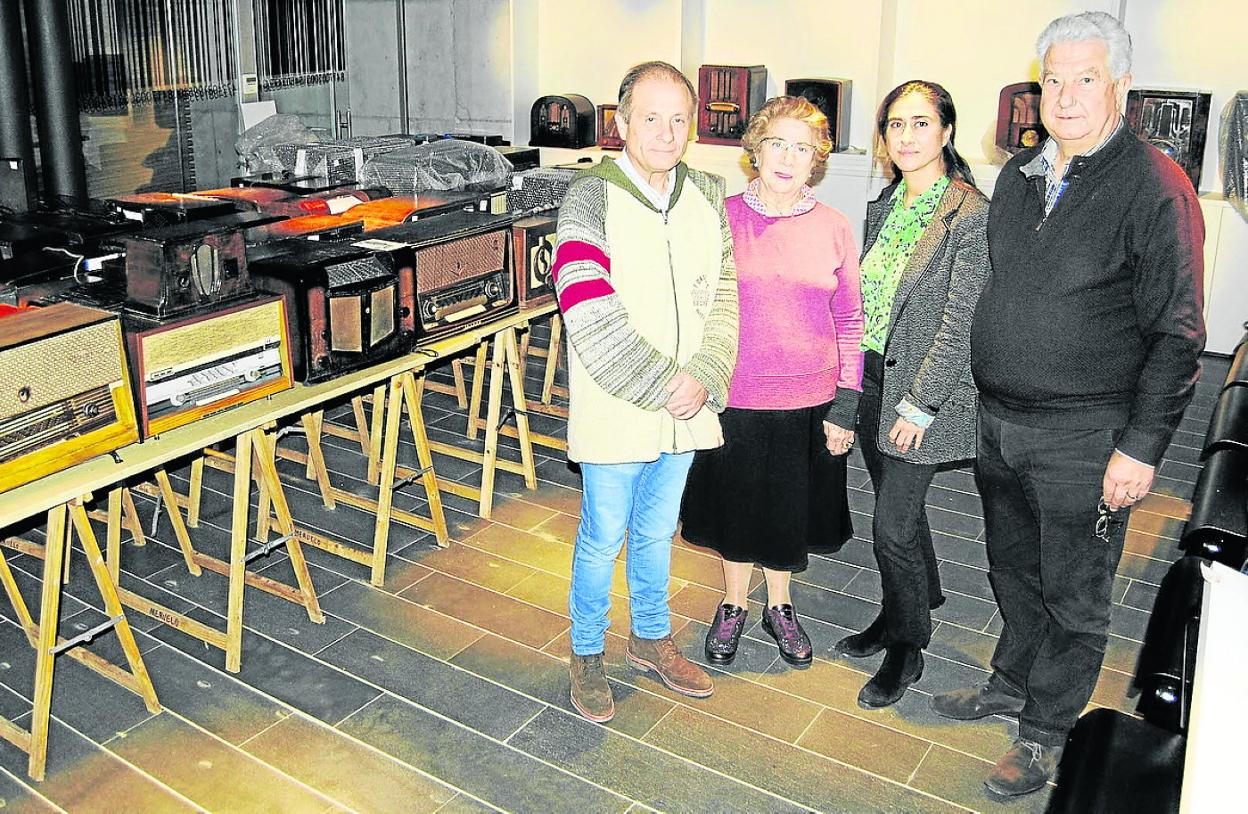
(1175, 122)
(343, 307)
(832, 97)
(1018, 117)
(727, 96)
(562, 121)
(154, 209)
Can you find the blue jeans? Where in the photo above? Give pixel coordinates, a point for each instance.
(644, 500)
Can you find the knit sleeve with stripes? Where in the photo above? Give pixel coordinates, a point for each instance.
(713, 363)
(616, 356)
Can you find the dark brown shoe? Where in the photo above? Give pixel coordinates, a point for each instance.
(591, 694)
(973, 703)
(664, 658)
(1027, 767)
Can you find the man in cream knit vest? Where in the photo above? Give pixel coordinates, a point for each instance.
(644, 274)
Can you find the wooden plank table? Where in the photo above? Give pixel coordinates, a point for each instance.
(63, 494)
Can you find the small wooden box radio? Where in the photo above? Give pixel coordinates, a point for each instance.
(344, 310)
(562, 121)
(832, 97)
(727, 96)
(180, 267)
(533, 243)
(1175, 122)
(608, 131)
(64, 390)
(193, 364)
(1018, 118)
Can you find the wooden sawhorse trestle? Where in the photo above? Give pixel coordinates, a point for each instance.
(43, 636)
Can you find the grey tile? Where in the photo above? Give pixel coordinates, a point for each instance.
(968, 611)
(435, 685)
(491, 771)
(212, 699)
(960, 550)
(966, 580)
(284, 673)
(81, 697)
(1141, 596)
(643, 773)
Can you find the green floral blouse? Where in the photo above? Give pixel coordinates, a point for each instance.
(884, 264)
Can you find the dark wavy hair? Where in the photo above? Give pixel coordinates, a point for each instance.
(955, 165)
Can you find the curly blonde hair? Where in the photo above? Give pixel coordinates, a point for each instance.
(787, 107)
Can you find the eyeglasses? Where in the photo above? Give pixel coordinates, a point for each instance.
(1103, 515)
(776, 146)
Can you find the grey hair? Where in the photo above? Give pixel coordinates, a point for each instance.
(1090, 25)
(657, 68)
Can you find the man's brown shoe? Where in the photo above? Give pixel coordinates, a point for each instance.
(1027, 767)
(677, 672)
(591, 694)
(973, 703)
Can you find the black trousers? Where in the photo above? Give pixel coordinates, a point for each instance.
(1051, 572)
(903, 539)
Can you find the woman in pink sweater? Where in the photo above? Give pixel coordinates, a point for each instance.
(775, 490)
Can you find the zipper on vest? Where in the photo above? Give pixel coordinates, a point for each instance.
(671, 269)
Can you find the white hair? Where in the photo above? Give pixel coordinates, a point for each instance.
(1090, 25)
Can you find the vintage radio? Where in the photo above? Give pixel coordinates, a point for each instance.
(521, 158)
(343, 306)
(533, 247)
(832, 97)
(608, 131)
(728, 95)
(64, 392)
(539, 190)
(176, 268)
(562, 121)
(1175, 122)
(330, 228)
(18, 239)
(191, 365)
(1018, 117)
(338, 161)
(83, 232)
(455, 271)
(155, 209)
(286, 203)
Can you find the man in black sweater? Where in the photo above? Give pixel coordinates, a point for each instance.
(1085, 348)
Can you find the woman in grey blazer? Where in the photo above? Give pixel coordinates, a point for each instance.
(925, 261)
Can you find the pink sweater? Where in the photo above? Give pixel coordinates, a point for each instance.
(801, 308)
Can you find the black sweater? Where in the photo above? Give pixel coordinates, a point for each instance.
(1092, 316)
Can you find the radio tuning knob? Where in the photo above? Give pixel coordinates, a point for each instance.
(493, 290)
(91, 410)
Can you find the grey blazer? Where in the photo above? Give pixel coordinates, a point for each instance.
(927, 354)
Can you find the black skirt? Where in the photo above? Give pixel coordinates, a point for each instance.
(771, 494)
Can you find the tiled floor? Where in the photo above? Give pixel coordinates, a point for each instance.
(446, 691)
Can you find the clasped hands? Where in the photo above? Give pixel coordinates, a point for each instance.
(687, 396)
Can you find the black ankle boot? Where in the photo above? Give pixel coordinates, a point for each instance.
(867, 643)
(902, 666)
